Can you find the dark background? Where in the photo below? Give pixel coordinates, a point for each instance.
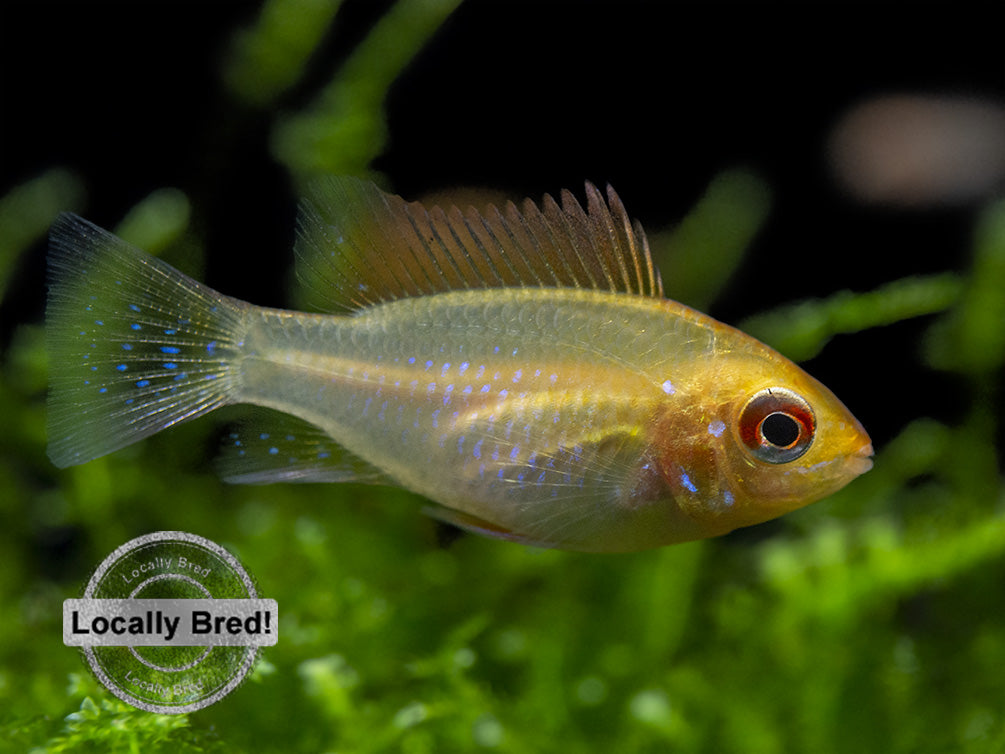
(655, 98)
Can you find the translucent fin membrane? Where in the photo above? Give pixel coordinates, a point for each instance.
(275, 447)
(134, 345)
(358, 246)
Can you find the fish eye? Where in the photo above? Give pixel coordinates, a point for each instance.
(777, 425)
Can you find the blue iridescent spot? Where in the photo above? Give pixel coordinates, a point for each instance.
(668, 387)
(463, 367)
(142, 383)
(411, 359)
(169, 365)
(170, 349)
(127, 346)
(170, 332)
(716, 428)
(99, 322)
(103, 390)
(121, 367)
(477, 450)
(134, 307)
(485, 388)
(135, 326)
(211, 347)
(686, 482)
(273, 451)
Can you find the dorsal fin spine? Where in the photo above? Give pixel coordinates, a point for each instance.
(404, 277)
(358, 247)
(425, 251)
(496, 217)
(497, 259)
(596, 223)
(602, 216)
(550, 207)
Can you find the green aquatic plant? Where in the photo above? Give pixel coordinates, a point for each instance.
(866, 622)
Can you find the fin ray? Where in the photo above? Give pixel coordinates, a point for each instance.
(357, 246)
(134, 346)
(270, 446)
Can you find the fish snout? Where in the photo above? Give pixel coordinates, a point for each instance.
(860, 461)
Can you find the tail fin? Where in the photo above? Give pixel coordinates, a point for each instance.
(134, 345)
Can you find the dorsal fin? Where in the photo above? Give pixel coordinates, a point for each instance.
(358, 246)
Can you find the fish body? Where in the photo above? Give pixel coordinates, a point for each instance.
(521, 370)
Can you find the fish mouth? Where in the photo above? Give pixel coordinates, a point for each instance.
(860, 461)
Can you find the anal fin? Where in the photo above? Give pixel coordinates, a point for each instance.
(270, 446)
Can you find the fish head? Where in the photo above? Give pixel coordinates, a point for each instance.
(764, 438)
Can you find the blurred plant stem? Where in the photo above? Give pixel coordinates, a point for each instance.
(344, 128)
(801, 330)
(697, 257)
(28, 210)
(270, 56)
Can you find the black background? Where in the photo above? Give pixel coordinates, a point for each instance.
(655, 98)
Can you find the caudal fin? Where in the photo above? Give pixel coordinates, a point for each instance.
(134, 345)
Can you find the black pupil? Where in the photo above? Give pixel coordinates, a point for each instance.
(780, 430)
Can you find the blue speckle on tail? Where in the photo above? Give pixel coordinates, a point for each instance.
(109, 385)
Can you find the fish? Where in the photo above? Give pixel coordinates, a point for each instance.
(517, 366)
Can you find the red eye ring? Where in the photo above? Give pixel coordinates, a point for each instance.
(777, 425)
